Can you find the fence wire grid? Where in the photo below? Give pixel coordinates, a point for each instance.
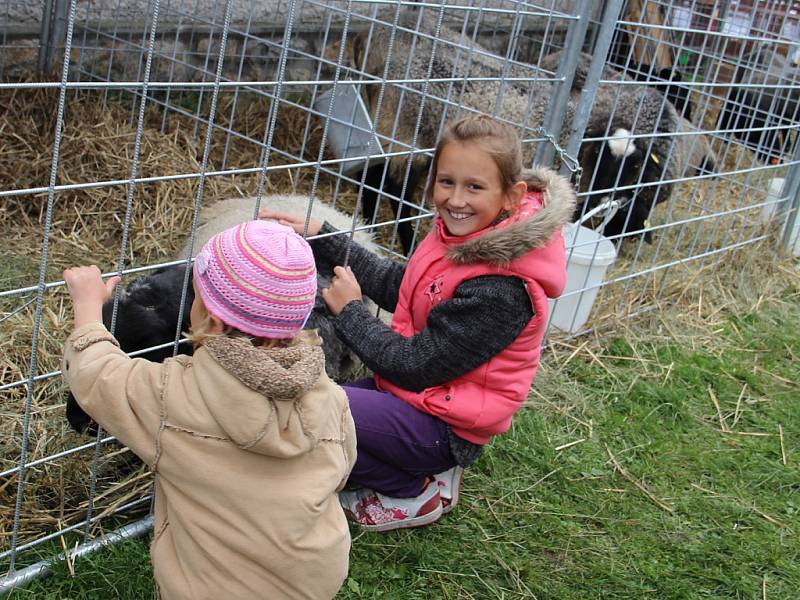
(122, 123)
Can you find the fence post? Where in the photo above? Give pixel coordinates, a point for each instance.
(599, 55)
(791, 191)
(51, 32)
(44, 34)
(554, 117)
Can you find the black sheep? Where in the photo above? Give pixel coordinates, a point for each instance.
(637, 161)
(619, 162)
(642, 110)
(772, 112)
(147, 316)
(148, 310)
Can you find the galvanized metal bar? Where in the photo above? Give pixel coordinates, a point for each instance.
(585, 102)
(235, 103)
(554, 118)
(420, 112)
(123, 247)
(269, 131)
(57, 31)
(326, 127)
(56, 456)
(41, 291)
(212, 112)
(114, 38)
(376, 118)
(45, 38)
(36, 570)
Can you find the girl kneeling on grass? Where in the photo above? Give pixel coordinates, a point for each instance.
(248, 438)
(470, 311)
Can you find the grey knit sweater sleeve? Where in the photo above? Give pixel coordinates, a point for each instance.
(378, 277)
(484, 316)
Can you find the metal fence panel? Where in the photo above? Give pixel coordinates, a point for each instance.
(677, 121)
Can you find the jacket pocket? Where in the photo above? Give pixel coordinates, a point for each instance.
(459, 405)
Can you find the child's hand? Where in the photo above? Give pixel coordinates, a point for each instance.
(296, 222)
(344, 288)
(88, 292)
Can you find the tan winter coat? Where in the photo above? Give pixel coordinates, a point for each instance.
(249, 446)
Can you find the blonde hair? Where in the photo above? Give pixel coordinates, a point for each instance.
(199, 334)
(497, 139)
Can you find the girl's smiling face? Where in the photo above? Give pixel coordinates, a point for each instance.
(468, 192)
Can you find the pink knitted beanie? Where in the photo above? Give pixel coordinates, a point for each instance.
(258, 277)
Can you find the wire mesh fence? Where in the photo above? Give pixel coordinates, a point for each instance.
(123, 124)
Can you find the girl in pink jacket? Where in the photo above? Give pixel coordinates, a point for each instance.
(248, 438)
(470, 312)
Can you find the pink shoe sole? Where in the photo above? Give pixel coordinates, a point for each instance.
(427, 513)
(421, 521)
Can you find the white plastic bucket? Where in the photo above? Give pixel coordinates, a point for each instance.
(773, 200)
(589, 255)
(777, 207)
(350, 131)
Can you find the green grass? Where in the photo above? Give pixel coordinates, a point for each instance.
(715, 514)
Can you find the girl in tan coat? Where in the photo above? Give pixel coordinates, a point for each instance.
(249, 439)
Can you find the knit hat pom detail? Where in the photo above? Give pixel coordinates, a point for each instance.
(258, 277)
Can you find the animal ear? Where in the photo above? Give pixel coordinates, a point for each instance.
(358, 51)
(621, 144)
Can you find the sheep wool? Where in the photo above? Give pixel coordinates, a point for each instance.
(258, 277)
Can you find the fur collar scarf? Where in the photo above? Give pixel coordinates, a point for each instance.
(283, 373)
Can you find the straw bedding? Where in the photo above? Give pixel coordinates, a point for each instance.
(87, 227)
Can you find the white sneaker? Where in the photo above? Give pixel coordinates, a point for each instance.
(449, 483)
(375, 512)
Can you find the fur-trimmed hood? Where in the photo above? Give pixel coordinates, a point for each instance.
(505, 244)
(272, 401)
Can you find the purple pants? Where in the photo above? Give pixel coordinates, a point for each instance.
(398, 445)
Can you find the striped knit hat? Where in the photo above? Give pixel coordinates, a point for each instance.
(258, 277)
